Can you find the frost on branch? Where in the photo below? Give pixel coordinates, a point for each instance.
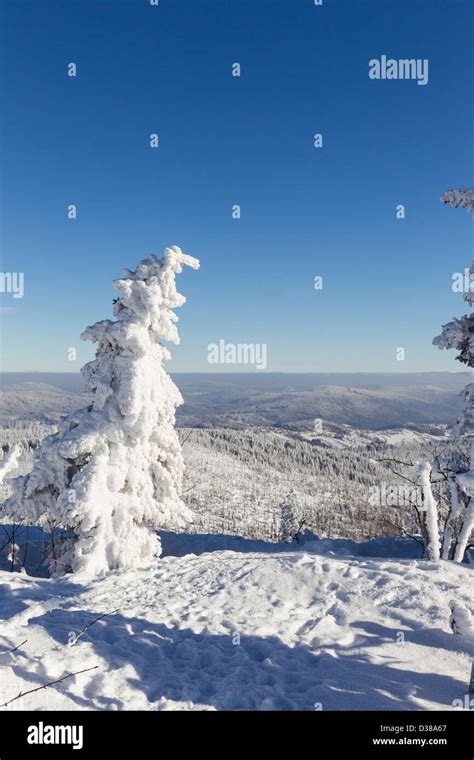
(462, 198)
(112, 474)
(459, 334)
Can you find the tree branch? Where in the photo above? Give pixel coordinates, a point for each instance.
(46, 685)
(10, 651)
(81, 633)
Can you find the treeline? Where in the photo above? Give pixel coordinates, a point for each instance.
(238, 482)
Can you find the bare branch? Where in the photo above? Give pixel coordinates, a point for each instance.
(409, 480)
(397, 461)
(81, 633)
(46, 685)
(409, 535)
(186, 438)
(10, 651)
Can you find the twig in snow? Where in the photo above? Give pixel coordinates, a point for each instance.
(81, 633)
(10, 651)
(45, 686)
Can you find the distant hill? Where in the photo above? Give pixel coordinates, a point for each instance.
(364, 401)
(291, 401)
(37, 401)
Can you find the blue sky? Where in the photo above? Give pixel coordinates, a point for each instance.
(248, 141)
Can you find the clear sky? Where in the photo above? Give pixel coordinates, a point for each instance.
(245, 140)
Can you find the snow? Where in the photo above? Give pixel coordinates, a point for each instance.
(10, 462)
(397, 437)
(221, 623)
(460, 619)
(466, 482)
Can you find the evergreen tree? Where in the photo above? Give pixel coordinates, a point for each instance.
(291, 518)
(112, 474)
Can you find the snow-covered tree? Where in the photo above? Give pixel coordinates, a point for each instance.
(450, 478)
(112, 474)
(459, 334)
(428, 512)
(9, 462)
(291, 518)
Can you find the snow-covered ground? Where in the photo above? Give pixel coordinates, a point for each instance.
(228, 624)
(345, 437)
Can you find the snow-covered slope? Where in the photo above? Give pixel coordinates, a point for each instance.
(37, 401)
(257, 627)
(296, 409)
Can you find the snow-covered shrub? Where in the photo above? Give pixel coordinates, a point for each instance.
(460, 619)
(112, 474)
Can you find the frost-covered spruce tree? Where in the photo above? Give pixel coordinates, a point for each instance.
(112, 474)
(459, 334)
(291, 518)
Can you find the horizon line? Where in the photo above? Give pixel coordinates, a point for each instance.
(264, 372)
